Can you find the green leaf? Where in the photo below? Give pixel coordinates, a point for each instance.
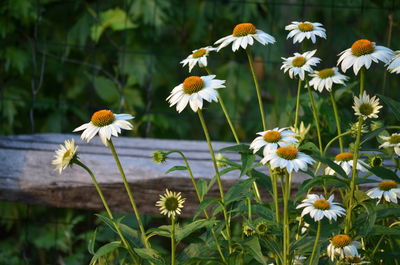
(116, 19)
(238, 190)
(92, 241)
(106, 89)
(338, 169)
(309, 146)
(372, 134)
(384, 173)
(245, 148)
(378, 230)
(247, 162)
(253, 246)
(202, 186)
(150, 255)
(164, 230)
(186, 230)
(105, 250)
(273, 247)
(394, 105)
(175, 168)
(204, 205)
(319, 181)
(388, 212)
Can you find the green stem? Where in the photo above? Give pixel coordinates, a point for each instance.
(315, 114)
(200, 200)
(286, 228)
(173, 240)
(362, 80)
(228, 119)
(221, 189)
(96, 184)
(339, 130)
(260, 104)
(353, 177)
(130, 194)
(334, 139)
(315, 243)
(297, 104)
(275, 195)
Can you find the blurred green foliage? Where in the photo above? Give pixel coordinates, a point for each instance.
(62, 60)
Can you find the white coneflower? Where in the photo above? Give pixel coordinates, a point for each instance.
(386, 189)
(198, 56)
(342, 246)
(345, 161)
(318, 207)
(193, 90)
(106, 124)
(394, 64)
(392, 141)
(324, 79)
(65, 155)
(289, 158)
(299, 64)
(361, 54)
(244, 34)
(309, 30)
(272, 139)
(171, 203)
(366, 107)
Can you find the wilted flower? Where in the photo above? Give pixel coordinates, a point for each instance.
(343, 246)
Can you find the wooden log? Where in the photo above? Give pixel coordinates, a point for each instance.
(26, 173)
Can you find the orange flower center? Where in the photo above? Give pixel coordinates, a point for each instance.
(299, 61)
(287, 152)
(192, 84)
(394, 139)
(340, 241)
(102, 118)
(387, 185)
(322, 204)
(362, 47)
(272, 136)
(199, 53)
(244, 29)
(306, 27)
(328, 72)
(344, 156)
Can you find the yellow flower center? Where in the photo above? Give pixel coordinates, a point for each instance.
(394, 139)
(192, 84)
(362, 47)
(387, 185)
(344, 156)
(66, 154)
(199, 53)
(244, 29)
(305, 27)
(102, 118)
(366, 109)
(272, 136)
(340, 241)
(299, 61)
(322, 204)
(325, 73)
(287, 152)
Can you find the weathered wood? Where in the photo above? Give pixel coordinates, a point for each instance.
(26, 173)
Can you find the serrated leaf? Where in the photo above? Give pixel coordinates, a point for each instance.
(384, 173)
(393, 105)
(150, 255)
(204, 205)
(176, 168)
(105, 250)
(253, 246)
